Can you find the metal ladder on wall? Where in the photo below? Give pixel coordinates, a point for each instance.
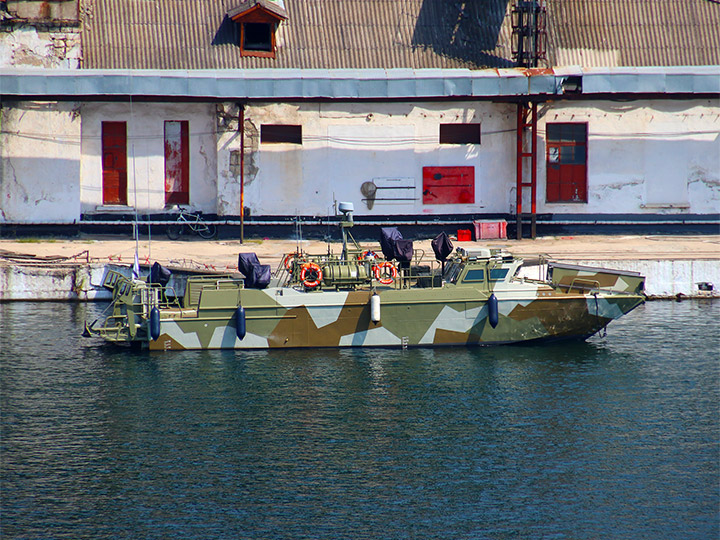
(526, 149)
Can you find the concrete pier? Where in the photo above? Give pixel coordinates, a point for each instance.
(73, 269)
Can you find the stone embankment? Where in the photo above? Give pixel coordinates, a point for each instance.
(73, 269)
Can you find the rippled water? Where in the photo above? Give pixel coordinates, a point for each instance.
(614, 438)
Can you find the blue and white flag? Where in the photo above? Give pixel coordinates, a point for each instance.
(136, 267)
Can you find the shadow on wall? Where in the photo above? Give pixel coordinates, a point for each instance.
(468, 30)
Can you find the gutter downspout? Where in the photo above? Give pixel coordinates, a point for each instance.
(241, 128)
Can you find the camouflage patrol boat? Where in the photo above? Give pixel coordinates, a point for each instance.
(361, 299)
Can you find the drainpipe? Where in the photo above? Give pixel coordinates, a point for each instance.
(241, 128)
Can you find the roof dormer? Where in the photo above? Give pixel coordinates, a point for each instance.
(258, 21)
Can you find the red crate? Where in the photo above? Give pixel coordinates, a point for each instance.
(464, 235)
(486, 229)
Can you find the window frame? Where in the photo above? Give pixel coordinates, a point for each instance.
(261, 53)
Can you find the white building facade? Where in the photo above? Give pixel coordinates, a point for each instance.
(405, 144)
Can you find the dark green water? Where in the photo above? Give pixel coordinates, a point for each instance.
(614, 438)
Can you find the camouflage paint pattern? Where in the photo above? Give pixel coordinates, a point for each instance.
(455, 313)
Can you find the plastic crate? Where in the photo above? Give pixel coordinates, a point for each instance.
(464, 235)
(486, 229)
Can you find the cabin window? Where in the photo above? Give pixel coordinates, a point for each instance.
(498, 274)
(475, 275)
(177, 162)
(566, 162)
(114, 163)
(459, 133)
(448, 185)
(280, 133)
(257, 37)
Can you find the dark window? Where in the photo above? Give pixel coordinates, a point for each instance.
(459, 133)
(566, 162)
(257, 37)
(279, 133)
(498, 274)
(475, 275)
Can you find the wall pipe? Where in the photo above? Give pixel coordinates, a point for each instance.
(241, 128)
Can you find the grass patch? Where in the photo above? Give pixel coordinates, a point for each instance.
(36, 240)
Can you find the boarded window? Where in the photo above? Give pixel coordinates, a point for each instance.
(280, 133)
(114, 162)
(459, 133)
(566, 162)
(448, 185)
(177, 162)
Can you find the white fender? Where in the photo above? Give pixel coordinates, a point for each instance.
(375, 308)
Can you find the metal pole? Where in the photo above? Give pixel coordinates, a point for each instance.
(533, 172)
(519, 170)
(241, 127)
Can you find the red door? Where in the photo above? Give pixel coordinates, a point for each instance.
(177, 162)
(566, 162)
(114, 162)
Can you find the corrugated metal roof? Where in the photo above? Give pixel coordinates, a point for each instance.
(415, 34)
(326, 34)
(634, 32)
(278, 84)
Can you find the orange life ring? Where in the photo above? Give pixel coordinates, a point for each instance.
(311, 275)
(367, 253)
(382, 276)
(289, 260)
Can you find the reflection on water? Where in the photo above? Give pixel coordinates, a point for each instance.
(612, 438)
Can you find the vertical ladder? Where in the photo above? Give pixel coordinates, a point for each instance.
(526, 137)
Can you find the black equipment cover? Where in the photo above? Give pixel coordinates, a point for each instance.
(388, 237)
(159, 274)
(257, 276)
(442, 246)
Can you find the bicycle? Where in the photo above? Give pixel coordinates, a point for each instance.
(192, 221)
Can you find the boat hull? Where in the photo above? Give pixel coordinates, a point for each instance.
(286, 318)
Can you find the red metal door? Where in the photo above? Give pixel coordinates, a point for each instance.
(114, 162)
(177, 162)
(448, 185)
(567, 162)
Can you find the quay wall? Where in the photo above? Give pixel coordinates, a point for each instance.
(83, 282)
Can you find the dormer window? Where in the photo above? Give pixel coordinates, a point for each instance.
(258, 21)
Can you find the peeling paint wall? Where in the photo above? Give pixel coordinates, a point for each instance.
(146, 154)
(347, 145)
(39, 162)
(27, 46)
(644, 157)
(652, 157)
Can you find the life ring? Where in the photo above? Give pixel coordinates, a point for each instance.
(289, 260)
(367, 254)
(382, 276)
(311, 275)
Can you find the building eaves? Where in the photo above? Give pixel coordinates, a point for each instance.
(341, 84)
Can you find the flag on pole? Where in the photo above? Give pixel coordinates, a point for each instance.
(136, 267)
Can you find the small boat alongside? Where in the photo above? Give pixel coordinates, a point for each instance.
(362, 299)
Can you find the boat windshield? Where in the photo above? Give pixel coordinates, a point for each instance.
(452, 271)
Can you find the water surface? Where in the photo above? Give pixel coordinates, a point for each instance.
(613, 438)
